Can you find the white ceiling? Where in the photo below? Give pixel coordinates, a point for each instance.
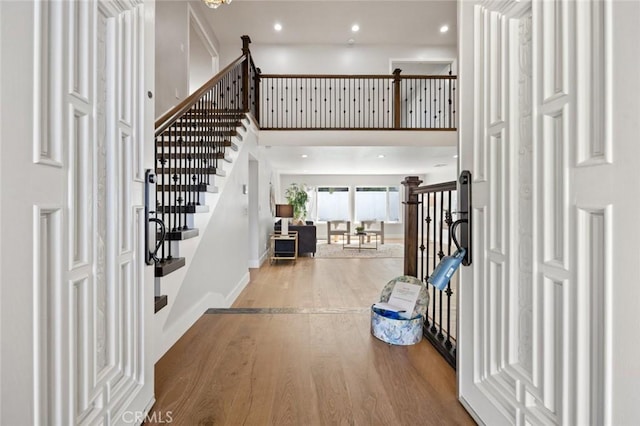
(328, 22)
(361, 160)
(381, 22)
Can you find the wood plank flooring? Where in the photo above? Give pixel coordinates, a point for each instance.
(312, 363)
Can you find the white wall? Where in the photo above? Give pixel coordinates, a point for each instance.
(172, 51)
(260, 219)
(447, 174)
(200, 60)
(254, 236)
(391, 230)
(266, 175)
(331, 59)
(221, 262)
(218, 260)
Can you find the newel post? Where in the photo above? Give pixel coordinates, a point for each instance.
(411, 225)
(245, 71)
(396, 98)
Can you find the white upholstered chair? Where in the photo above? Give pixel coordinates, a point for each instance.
(371, 226)
(335, 227)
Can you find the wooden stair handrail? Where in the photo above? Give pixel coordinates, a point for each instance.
(179, 110)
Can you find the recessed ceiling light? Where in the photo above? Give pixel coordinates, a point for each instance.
(381, 156)
(351, 41)
(455, 156)
(355, 28)
(304, 156)
(444, 28)
(277, 27)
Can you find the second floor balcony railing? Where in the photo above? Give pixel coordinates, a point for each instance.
(357, 102)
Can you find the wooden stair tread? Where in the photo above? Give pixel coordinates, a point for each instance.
(165, 267)
(208, 123)
(182, 209)
(183, 234)
(192, 155)
(160, 302)
(201, 132)
(198, 187)
(198, 144)
(191, 171)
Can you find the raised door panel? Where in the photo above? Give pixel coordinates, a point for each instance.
(91, 361)
(537, 306)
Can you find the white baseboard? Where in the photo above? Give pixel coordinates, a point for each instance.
(231, 297)
(255, 264)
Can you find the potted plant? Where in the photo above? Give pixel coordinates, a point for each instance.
(360, 229)
(296, 195)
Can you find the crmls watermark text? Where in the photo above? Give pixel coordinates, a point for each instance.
(137, 417)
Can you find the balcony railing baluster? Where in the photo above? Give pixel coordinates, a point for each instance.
(357, 102)
(433, 207)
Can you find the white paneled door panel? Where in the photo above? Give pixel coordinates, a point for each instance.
(82, 97)
(549, 131)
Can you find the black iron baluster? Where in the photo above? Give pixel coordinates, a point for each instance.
(427, 259)
(422, 246)
(171, 224)
(271, 106)
(175, 178)
(163, 161)
(440, 101)
(412, 117)
(187, 153)
(441, 255)
(448, 291)
(435, 250)
(286, 97)
(314, 101)
(352, 95)
(453, 107)
(375, 91)
(360, 95)
(182, 218)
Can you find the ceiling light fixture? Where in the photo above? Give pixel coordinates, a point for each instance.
(455, 156)
(213, 4)
(444, 28)
(277, 27)
(304, 156)
(381, 156)
(355, 28)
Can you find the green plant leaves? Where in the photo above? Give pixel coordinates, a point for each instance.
(296, 195)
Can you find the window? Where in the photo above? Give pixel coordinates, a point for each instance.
(333, 203)
(377, 203)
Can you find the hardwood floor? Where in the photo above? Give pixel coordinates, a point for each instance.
(318, 365)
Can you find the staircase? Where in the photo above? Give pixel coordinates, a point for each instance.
(193, 143)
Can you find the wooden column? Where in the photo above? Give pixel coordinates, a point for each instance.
(411, 225)
(245, 72)
(396, 98)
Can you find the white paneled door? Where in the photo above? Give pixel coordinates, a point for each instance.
(76, 293)
(550, 121)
